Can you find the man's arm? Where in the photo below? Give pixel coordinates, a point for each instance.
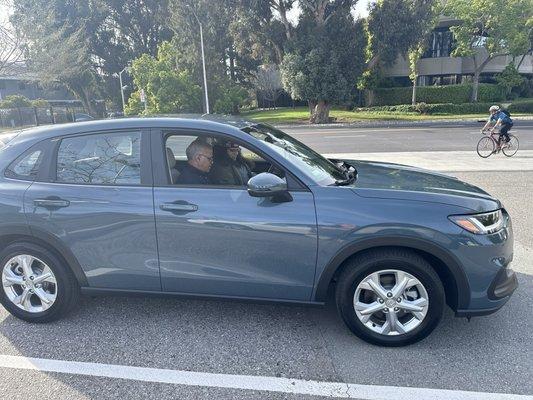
(497, 124)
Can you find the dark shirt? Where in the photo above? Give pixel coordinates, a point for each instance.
(192, 176)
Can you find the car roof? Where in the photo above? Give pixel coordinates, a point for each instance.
(225, 124)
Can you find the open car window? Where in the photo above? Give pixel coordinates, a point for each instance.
(232, 164)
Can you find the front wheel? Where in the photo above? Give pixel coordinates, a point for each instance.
(486, 146)
(390, 297)
(511, 147)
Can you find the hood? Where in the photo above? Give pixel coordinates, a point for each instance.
(386, 180)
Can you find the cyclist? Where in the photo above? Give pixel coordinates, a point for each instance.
(500, 119)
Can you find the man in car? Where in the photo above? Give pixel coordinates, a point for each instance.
(230, 167)
(199, 162)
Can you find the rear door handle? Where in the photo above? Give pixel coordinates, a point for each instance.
(179, 206)
(51, 203)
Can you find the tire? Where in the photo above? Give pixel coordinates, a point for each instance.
(408, 264)
(65, 291)
(486, 147)
(513, 144)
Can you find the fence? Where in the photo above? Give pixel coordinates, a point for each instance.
(32, 116)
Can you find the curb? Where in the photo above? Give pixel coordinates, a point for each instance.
(386, 124)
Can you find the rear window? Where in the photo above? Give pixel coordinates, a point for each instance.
(106, 158)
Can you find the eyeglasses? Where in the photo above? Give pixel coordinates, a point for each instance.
(234, 149)
(209, 158)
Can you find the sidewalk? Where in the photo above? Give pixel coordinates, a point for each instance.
(448, 161)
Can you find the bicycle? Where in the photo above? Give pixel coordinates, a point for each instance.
(491, 143)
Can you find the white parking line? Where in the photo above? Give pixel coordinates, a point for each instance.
(247, 382)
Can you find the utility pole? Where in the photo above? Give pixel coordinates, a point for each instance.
(122, 87)
(203, 60)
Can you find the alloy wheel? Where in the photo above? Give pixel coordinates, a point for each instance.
(391, 302)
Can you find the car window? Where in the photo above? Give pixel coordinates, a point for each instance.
(106, 158)
(219, 162)
(27, 165)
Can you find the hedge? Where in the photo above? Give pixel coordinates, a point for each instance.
(456, 94)
(521, 107)
(450, 108)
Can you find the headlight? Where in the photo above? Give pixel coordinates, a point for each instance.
(480, 224)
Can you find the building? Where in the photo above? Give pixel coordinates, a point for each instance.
(18, 80)
(437, 67)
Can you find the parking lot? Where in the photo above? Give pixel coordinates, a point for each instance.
(233, 341)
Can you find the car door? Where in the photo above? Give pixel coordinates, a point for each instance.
(218, 240)
(97, 200)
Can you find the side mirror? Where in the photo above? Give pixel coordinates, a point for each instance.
(269, 185)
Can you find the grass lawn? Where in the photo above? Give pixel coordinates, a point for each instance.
(301, 115)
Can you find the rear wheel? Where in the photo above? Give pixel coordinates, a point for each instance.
(486, 146)
(390, 297)
(511, 147)
(36, 285)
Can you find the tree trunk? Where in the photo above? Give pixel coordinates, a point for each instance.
(312, 105)
(413, 96)
(321, 113)
(475, 86)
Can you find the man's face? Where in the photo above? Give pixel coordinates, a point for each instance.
(233, 152)
(204, 159)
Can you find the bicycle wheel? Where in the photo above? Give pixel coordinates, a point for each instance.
(511, 147)
(486, 146)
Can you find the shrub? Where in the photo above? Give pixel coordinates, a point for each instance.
(456, 94)
(40, 103)
(521, 107)
(14, 101)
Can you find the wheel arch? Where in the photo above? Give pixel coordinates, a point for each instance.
(23, 234)
(444, 264)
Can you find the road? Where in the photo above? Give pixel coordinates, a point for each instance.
(402, 138)
(238, 344)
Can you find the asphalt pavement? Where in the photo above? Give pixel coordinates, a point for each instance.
(236, 342)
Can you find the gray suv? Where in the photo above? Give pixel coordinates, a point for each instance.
(134, 206)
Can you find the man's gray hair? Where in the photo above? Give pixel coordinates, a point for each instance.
(195, 148)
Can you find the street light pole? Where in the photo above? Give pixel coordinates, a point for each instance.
(122, 87)
(203, 61)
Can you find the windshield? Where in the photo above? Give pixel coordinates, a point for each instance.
(5, 138)
(323, 171)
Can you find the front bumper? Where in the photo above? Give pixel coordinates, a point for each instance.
(500, 291)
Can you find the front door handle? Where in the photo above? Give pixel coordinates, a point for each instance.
(179, 206)
(51, 203)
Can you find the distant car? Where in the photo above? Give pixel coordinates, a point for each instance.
(97, 207)
(80, 117)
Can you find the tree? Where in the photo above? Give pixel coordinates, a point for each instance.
(489, 29)
(324, 57)
(396, 28)
(267, 80)
(11, 49)
(427, 11)
(168, 89)
(509, 78)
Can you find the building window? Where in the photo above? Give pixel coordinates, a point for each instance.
(2, 85)
(22, 85)
(441, 44)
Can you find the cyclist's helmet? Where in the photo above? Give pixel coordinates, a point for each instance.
(494, 108)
